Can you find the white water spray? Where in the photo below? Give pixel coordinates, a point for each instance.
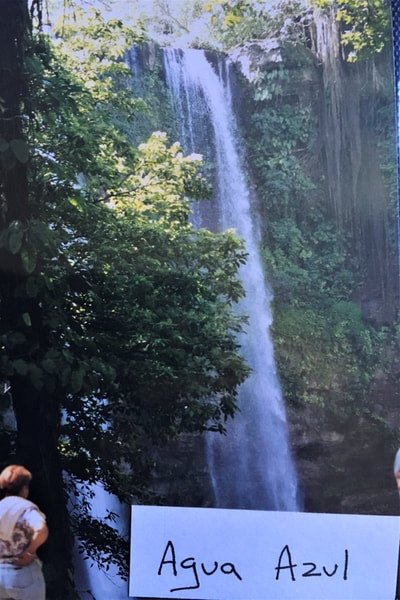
(251, 467)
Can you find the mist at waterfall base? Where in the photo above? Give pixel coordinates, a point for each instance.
(251, 466)
(92, 582)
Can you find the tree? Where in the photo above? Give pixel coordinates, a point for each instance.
(22, 325)
(116, 313)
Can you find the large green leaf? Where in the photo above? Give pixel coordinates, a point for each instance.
(26, 317)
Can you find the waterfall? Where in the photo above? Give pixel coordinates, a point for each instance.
(251, 467)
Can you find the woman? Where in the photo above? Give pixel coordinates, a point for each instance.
(22, 530)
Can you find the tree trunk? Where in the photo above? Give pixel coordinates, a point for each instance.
(37, 450)
(37, 414)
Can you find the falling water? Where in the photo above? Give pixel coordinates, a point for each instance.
(250, 467)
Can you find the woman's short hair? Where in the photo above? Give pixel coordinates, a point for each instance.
(13, 478)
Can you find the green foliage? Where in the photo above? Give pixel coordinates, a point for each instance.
(236, 22)
(319, 350)
(281, 138)
(365, 25)
(327, 354)
(124, 317)
(305, 255)
(156, 110)
(307, 261)
(149, 324)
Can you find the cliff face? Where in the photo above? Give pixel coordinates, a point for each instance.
(352, 160)
(354, 96)
(342, 399)
(320, 148)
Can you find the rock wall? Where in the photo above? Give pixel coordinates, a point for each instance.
(352, 142)
(344, 450)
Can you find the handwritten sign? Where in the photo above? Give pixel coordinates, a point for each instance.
(217, 554)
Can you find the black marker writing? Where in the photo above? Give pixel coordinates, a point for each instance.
(184, 564)
(169, 560)
(172, 561)
(311, 572)
(209, 572)
(333, 572)
(191, 565)
(229, 568)
(287, 566)
(346, 564)
(290, 565)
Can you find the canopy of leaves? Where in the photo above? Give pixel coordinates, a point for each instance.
(137, 337)
(236, 22)
(364, 24)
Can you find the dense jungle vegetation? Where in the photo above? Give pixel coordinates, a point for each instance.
(117, 326)
(321, 158)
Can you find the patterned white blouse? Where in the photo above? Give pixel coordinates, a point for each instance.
(29, 521)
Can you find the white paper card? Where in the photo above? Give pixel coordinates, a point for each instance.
(217, 554)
